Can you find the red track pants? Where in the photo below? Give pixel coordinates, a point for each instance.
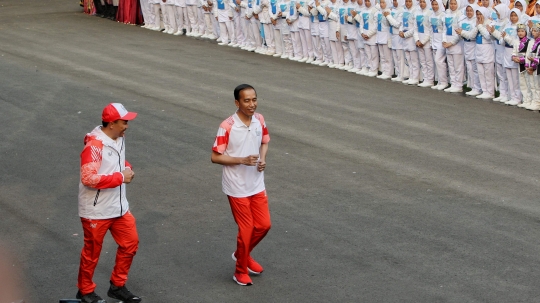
(124, 232)
(253, 218)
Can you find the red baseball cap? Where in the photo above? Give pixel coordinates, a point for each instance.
(116, 111)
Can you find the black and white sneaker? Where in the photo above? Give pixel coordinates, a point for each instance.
(122, 294)
(89, 298)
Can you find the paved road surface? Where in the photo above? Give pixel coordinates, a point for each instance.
(379, 192)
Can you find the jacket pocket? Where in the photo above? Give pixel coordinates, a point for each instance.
(97, 196)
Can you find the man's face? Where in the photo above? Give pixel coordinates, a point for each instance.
(119, 127)
(248, 102)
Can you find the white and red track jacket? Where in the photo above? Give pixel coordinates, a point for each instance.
(102, 192)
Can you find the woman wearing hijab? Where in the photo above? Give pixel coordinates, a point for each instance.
(439, 52)
(500, 19)
(534, 72)
(422, 35)
(509, 35)
(395, 17)
(383, 41)
(406, 32)
(468, 31)
(485, 54)
(454, 47)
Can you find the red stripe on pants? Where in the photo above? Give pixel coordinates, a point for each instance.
(253, 218)
(124, 232)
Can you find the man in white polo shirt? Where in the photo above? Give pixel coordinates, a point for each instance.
(241, 146)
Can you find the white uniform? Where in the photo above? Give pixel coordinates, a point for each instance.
(409, 45)
(499, 24)
(439, 52)
(454, 53)
(352, 37)
(304, 27)
(485, 57)
(394, 19)
(315, 37)
(292, 19)
(253, 15)
(468, 33)
(384, 42)
(369, 29)
(422, 34)
(323, 32)
(224, 14)
(238, 15)
(511, 67)
(181, 17)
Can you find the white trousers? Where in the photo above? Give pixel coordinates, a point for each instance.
(256, 31)
(307, 44)
(425, 55)
(399, 62)
(296, 44)
(413, 63)
(514, 93)
(182, 18)
(456, 69)
(239, 28)
(171, 16)
(193, 17)
(473, 81)
(278, 40)
(346, 48)
(486, 77)
(226, 31)
(157, 15)
(441, 66)
(337, 52)
(372, 54)
(385, 57)
(208, 23)
(355, 55)
(317, 47)
(145, 9)
(269, 36)
(503, 80)
(202, 23)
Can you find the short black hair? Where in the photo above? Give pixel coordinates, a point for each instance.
(240, 88)
(105, 124)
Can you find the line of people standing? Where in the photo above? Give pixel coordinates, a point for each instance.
(436, 44)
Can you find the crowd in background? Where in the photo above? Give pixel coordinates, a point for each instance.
(489, 45)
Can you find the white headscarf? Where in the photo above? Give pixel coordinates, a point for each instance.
(503, 10)
(518, 13)
(441, 5)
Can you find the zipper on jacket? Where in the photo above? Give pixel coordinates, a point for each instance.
(120, 165)
(97, 195)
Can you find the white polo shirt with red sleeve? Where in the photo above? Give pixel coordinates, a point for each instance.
(235, 139)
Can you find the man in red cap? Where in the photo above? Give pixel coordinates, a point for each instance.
(103, 204)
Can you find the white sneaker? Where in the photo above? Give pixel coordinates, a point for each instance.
(222, 43)
(353, 70)
(196, 35)
(348, 67)
(205, 36)
(296, 58)
(362, 72)
(323, 64)
(179, 33)
(384, 77)
(251, 49)
(340, 66)
(212, 37)
(397, 79)
(484, 96)
(277, 55)
(309, 60)
(534, 106)
(523, 104)
(331, 65)
(406, 82)
(504, 99)
(316, 62)
(189, 34)
(171, 31)
(454, 90)
(513, 102)
(473, 92)
(371, 74)
(284, 56)
(442, 86)
(425, 84)
(303, 59)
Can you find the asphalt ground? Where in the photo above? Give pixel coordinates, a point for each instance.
(378, 192)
